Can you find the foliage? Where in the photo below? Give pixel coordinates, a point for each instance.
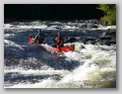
(109, 13)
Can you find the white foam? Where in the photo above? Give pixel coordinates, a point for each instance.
(13, 44)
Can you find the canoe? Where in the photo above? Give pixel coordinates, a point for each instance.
(68, 48)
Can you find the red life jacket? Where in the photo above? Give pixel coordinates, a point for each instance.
(59, 41)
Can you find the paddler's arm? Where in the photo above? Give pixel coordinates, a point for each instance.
(60, 44)
(53, 39)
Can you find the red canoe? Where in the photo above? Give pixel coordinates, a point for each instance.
(52, 49)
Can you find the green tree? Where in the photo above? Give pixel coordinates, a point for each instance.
(109, 11)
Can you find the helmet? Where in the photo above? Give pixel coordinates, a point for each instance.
(59, 33)
(39, 30)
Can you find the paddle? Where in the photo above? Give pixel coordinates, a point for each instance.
(61, 53)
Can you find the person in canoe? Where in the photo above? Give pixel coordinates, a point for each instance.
(39, 38)
(59, 41)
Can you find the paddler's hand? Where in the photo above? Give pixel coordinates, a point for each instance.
(44, 42)
(58, 46)
(33, 42)
(53, 39)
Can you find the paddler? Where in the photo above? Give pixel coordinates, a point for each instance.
(39, 38)
(59, 41)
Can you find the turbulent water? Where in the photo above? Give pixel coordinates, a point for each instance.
(25, 66)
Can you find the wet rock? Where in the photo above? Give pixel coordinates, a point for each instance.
(108, 38)
(83, 26)
(91, 25)
(59, 27)
(95, 26)
(70, 40)
(89, 41)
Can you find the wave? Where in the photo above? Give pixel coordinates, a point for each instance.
(25, 66)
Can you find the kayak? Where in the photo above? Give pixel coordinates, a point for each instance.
(68, 48)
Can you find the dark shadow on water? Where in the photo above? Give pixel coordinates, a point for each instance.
(16, 78)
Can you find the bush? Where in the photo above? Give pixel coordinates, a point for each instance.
(109, 13)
